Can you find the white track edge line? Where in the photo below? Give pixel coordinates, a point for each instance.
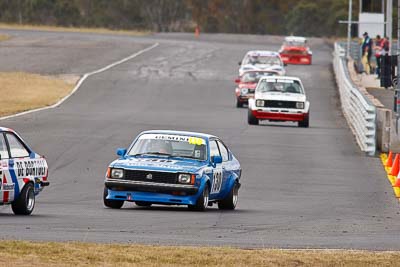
(81, 80)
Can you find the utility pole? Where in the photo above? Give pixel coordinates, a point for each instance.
(389, 23)
(349, 29)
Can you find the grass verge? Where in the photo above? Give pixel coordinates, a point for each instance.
(71, 29)
(20, 253)
(23, 91)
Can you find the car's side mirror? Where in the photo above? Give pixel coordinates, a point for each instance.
(216, 159)
(121, 152)
(240, 63)
(237, 80)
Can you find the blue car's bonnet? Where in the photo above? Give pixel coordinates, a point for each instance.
(159, 164)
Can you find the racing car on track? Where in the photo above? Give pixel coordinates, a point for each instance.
(279, 98)
(174, 168)
(246, 84)
(295, 50)
(262, 60)
(23, 173)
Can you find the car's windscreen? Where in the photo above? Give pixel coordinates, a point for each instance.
(263, 60)
(170, 145)
(283, 86)
(254, 76)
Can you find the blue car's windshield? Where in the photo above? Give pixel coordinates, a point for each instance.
(169, 145)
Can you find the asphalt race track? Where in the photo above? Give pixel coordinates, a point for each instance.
(301, 188)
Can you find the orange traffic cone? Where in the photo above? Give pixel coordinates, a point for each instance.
(394, 171)
(389, 162)
(197, 31)
(396, 186)
(395, 167)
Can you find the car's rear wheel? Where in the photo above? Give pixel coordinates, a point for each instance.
(304, 123)
(114, 204)
(143, 203)
(229, 203)
(251, 119)
(202, 201)
(25, 202)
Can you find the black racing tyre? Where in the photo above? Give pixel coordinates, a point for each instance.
(251, 119)
(229, 203)
(202, 201)
(25, 203)
(114, 204)
(143, 203)
(304, 123)
(239, 104)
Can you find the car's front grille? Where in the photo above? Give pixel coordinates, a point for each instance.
(279, 104)
(151, 176)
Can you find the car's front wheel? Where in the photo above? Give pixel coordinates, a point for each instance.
(25, 202)
(251, 119)
(230, 202)
(304, 123)
(239, 104)
(202, 201)
(114, 204)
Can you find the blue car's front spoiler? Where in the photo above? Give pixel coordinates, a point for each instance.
(177, 194)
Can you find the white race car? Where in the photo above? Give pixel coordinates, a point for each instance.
(23, 173)
(262, 60)
(279, 98)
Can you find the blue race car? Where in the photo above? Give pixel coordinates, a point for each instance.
(174, 168)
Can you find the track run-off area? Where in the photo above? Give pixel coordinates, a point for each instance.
(301, 187)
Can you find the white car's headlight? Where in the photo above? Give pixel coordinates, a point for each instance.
(244, 91)
(117, 173)
(185, 178)
(300, 105)
(260, 103)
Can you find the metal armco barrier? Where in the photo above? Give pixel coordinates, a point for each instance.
(358, 110)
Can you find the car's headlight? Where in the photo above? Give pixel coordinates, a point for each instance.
(300, 105)
(259, 103)
(244, 91)
(185, 178)
(117, 173)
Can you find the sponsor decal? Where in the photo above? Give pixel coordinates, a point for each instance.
(178, 138)
(8, 187)
(30, 168)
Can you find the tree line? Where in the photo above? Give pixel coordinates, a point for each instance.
(304, 17)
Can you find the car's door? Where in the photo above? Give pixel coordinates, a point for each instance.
(4, 156)
(226, 163)
(17, 164)
(216, 181)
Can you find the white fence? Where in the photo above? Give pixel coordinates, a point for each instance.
(360, 113)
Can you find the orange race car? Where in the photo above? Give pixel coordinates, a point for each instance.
(295, 50)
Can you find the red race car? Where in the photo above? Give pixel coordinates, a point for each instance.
(295, 50)
(246, 84)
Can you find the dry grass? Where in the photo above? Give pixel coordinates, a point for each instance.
(23, 253)
(71, 29)
(4, 37)
(22, 91)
